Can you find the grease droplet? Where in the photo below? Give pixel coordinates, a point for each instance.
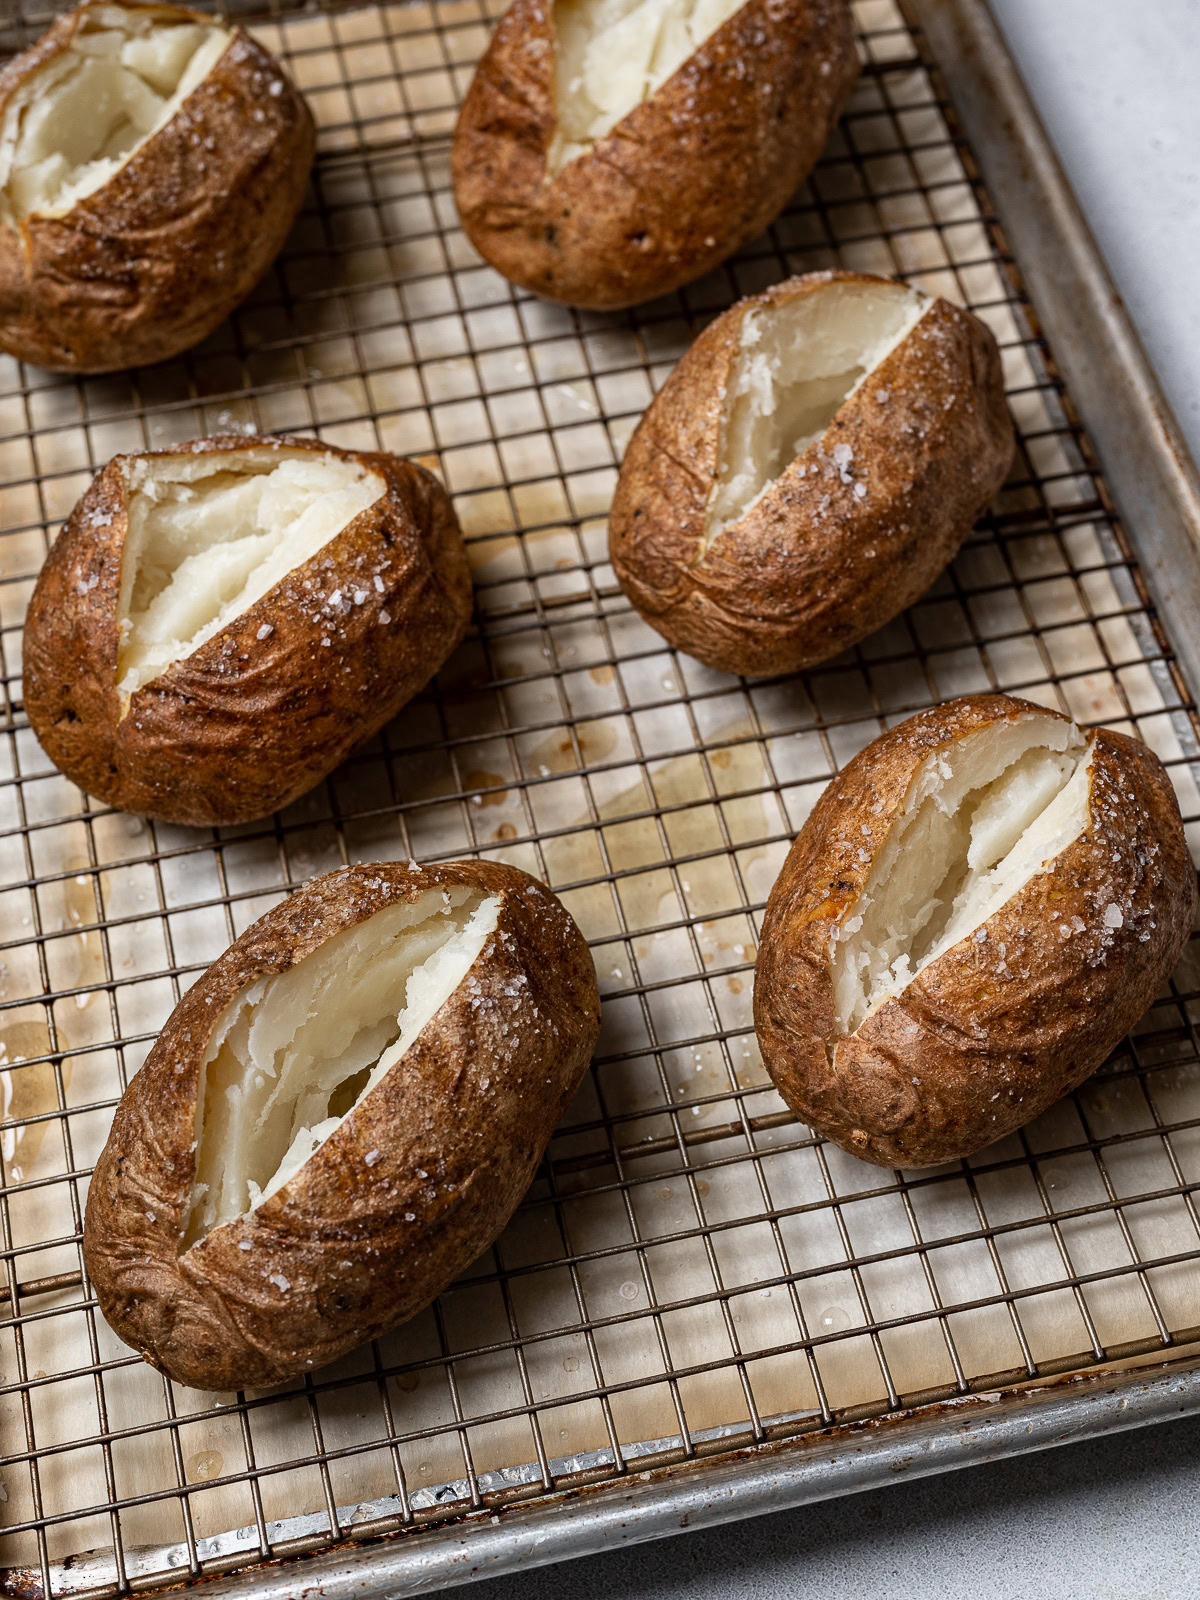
(834, 1319)
(204, 1465)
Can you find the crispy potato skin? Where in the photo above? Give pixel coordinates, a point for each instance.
(812, 567)
(461, 1122)
(153, 260)
(244, 725)
(679, 184)
(979, 1043)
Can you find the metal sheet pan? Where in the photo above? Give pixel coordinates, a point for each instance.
(701, 1310)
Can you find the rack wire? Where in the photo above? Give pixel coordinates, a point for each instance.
(692, 1270)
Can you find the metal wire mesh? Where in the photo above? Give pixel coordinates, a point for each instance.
(692, 1269)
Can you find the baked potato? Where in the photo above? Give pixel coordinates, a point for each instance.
(609, 151)
(808, 469)
(338, 1118)
(152, 161)
(219, 623)
(978, 909)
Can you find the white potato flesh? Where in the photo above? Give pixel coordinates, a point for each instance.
(210, 534)
(295, 1053)
(81, 115)
(610, 55)
(979, 821)
(797, 363)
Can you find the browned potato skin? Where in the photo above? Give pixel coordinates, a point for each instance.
(243, 726)
(914, 1086)
(461, 1123)
(679, 184)
(811, 568)
(151, 262)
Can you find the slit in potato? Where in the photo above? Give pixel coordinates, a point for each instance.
(610, 55)
(980, 819)
(798, 361)
(210, 534)
(77, 119)
(296, 1052)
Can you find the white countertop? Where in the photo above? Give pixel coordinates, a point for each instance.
(1118, 86)
(1114, 1519)
(1116, 82)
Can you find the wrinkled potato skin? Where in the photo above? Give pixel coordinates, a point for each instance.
(969, 1052)
(812, 567)
(679, 184)
(472, 1104)
(244, 725)
(150, 263)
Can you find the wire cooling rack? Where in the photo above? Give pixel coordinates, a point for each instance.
(692, 1270)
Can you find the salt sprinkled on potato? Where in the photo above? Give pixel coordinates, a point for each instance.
(338, 1118)
(808, 469)
(609, 151)
(219, 623)
(151, 164)
(978, 909)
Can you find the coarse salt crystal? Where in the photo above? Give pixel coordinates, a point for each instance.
(265, 632)
(372, 1156)
(1112, 915)
(280, 1282)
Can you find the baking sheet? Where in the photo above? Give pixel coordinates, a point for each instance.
(691, 1265)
